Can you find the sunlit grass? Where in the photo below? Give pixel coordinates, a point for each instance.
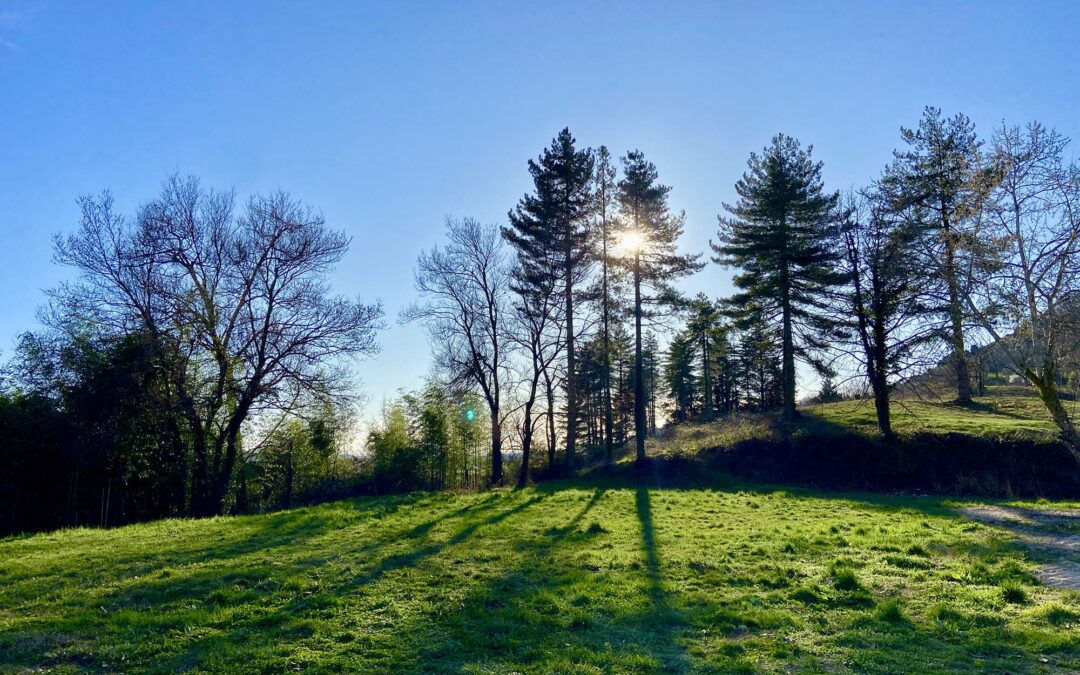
(616, 577)
(688, 439)
(999, 416)
(987, 416)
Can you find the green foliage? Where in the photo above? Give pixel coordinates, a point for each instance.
(939, 183)
(781, 237)
(86, 435)
(828, 392)
(549, 228)
(429, 440)
(295, 464)
(681, 378)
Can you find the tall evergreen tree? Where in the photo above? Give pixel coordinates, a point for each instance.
(680, 376)
(550, 231)
(605, 192)
(704, 319)
(651, 232)
(940, 183)
(779, 238)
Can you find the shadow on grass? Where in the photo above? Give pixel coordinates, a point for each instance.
(201, 588)
(554, 612)
(551, 602)
(664, 620)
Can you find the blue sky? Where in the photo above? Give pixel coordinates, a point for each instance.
(390, 116)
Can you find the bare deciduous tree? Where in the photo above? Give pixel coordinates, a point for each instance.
(882, 297)
(1030, 300)
(465, 287)
(537, 332)
(238, 309)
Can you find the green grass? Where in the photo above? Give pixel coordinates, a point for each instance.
(996, 415)
(1004, 414)
(619, 576)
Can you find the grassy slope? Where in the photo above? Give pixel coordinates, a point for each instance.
(617, 577)
(1002, 414)
(994, 415)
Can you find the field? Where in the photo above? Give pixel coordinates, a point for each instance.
(622, 576)
(623, 571)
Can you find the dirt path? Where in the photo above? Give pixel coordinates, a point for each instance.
(1052, 536)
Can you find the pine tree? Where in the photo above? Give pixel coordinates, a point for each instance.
(550, 231)
(828, 392)
(680, 377)
(940, 183)
(650, 360)
(649, 242)
(779, 238)
(704, 319)
(725, 386)
(605, 192)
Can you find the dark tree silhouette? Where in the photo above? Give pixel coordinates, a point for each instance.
(550, 231)
(649, 240)
(236, 307)
(781, 237)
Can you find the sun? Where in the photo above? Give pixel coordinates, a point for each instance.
(631, 242)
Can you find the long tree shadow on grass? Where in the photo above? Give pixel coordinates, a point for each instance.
(664, 619)
(234, 537)
(244, 571)
(284, 622)
(560, 609)
(551, 595)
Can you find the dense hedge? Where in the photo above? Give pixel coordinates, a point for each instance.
(936, 463)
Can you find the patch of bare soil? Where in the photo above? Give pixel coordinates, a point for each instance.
(1052, 536)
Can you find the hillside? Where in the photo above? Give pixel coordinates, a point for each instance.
(617, 576)
(1005, 412)
(1002, 445)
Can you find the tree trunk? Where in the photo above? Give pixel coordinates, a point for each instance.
(707, 401)
(881, 407)
(609, 434)
(549, 392)
(1047, 388)
(788, 358)
(496, 449)
(956, 317)
(639, 367)
(571, 383)
(526, 444)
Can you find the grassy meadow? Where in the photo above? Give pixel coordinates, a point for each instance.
(617, 571)
(621, 576)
